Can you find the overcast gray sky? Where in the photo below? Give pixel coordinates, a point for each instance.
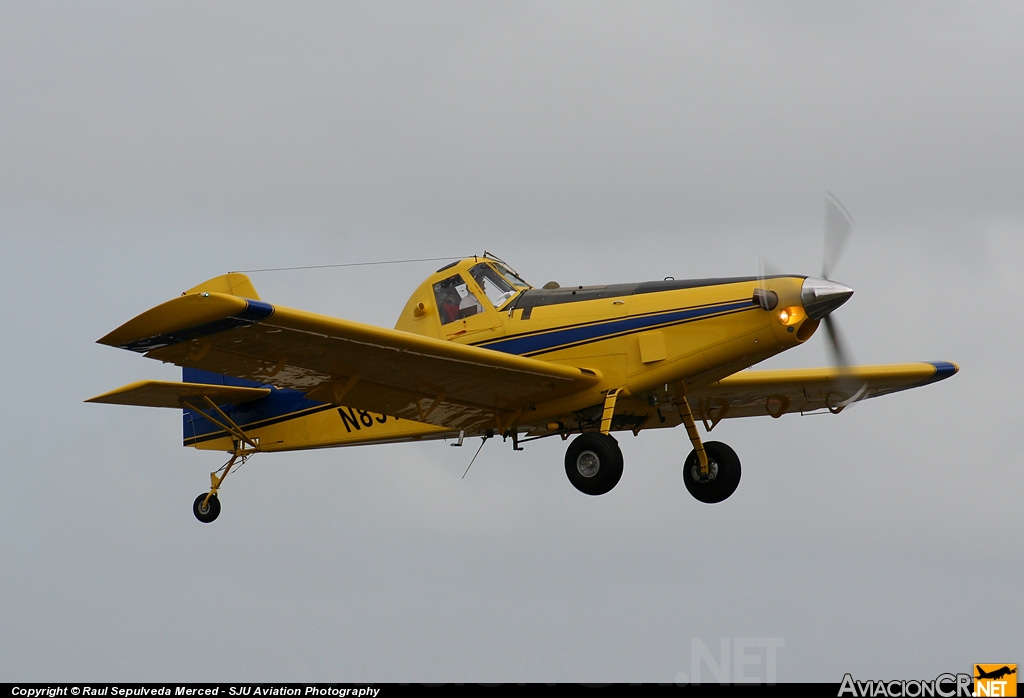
(145, 147)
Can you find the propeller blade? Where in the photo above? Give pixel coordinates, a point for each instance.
(841, 360)
(838, 225)
(840, 356)
(766, 269)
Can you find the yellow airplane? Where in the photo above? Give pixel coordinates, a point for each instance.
(478, 352)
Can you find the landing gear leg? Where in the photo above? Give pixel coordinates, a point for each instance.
(712, 470)
(683, 405)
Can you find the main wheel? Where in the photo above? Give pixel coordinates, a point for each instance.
(207, 512)
(593, 463)
(723, 476)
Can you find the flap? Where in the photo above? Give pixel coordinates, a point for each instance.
(170, 394)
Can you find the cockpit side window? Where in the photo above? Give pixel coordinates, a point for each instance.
(455, 300)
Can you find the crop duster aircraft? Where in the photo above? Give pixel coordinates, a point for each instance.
(478, 352)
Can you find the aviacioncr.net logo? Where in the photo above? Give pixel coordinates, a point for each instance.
(943, 686)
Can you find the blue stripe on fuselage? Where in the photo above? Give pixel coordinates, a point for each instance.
(549, 340)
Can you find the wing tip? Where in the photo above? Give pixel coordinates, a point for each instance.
(943, 370)
(184, 318)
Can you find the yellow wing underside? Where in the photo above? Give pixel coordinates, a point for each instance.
(786, 391)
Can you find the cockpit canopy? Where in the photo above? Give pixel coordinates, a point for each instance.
(464, 294)
(443, 304)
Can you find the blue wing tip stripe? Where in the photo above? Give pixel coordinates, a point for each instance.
(943, 370)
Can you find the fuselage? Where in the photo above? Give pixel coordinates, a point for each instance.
(638, 336)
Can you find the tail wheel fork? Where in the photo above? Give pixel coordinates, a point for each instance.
(206, 507)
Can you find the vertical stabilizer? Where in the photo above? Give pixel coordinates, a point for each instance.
(233, 283)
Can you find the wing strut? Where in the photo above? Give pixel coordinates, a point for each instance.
(691, 428)
(227, 425)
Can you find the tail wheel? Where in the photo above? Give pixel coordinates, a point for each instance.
(723, 473)
(206, 510)
(593, 463)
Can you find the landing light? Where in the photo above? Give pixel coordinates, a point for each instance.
(791, 315)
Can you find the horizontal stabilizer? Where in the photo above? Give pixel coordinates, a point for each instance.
(174, 395)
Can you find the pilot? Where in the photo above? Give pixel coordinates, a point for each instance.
(449, 307)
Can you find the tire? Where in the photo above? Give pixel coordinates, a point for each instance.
(208, 513)
(593, 463)
(725, 473)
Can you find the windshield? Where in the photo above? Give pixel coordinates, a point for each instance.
(511, 276)
(497, 289)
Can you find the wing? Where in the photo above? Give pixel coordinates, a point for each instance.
(347, 363)
(774, 393)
